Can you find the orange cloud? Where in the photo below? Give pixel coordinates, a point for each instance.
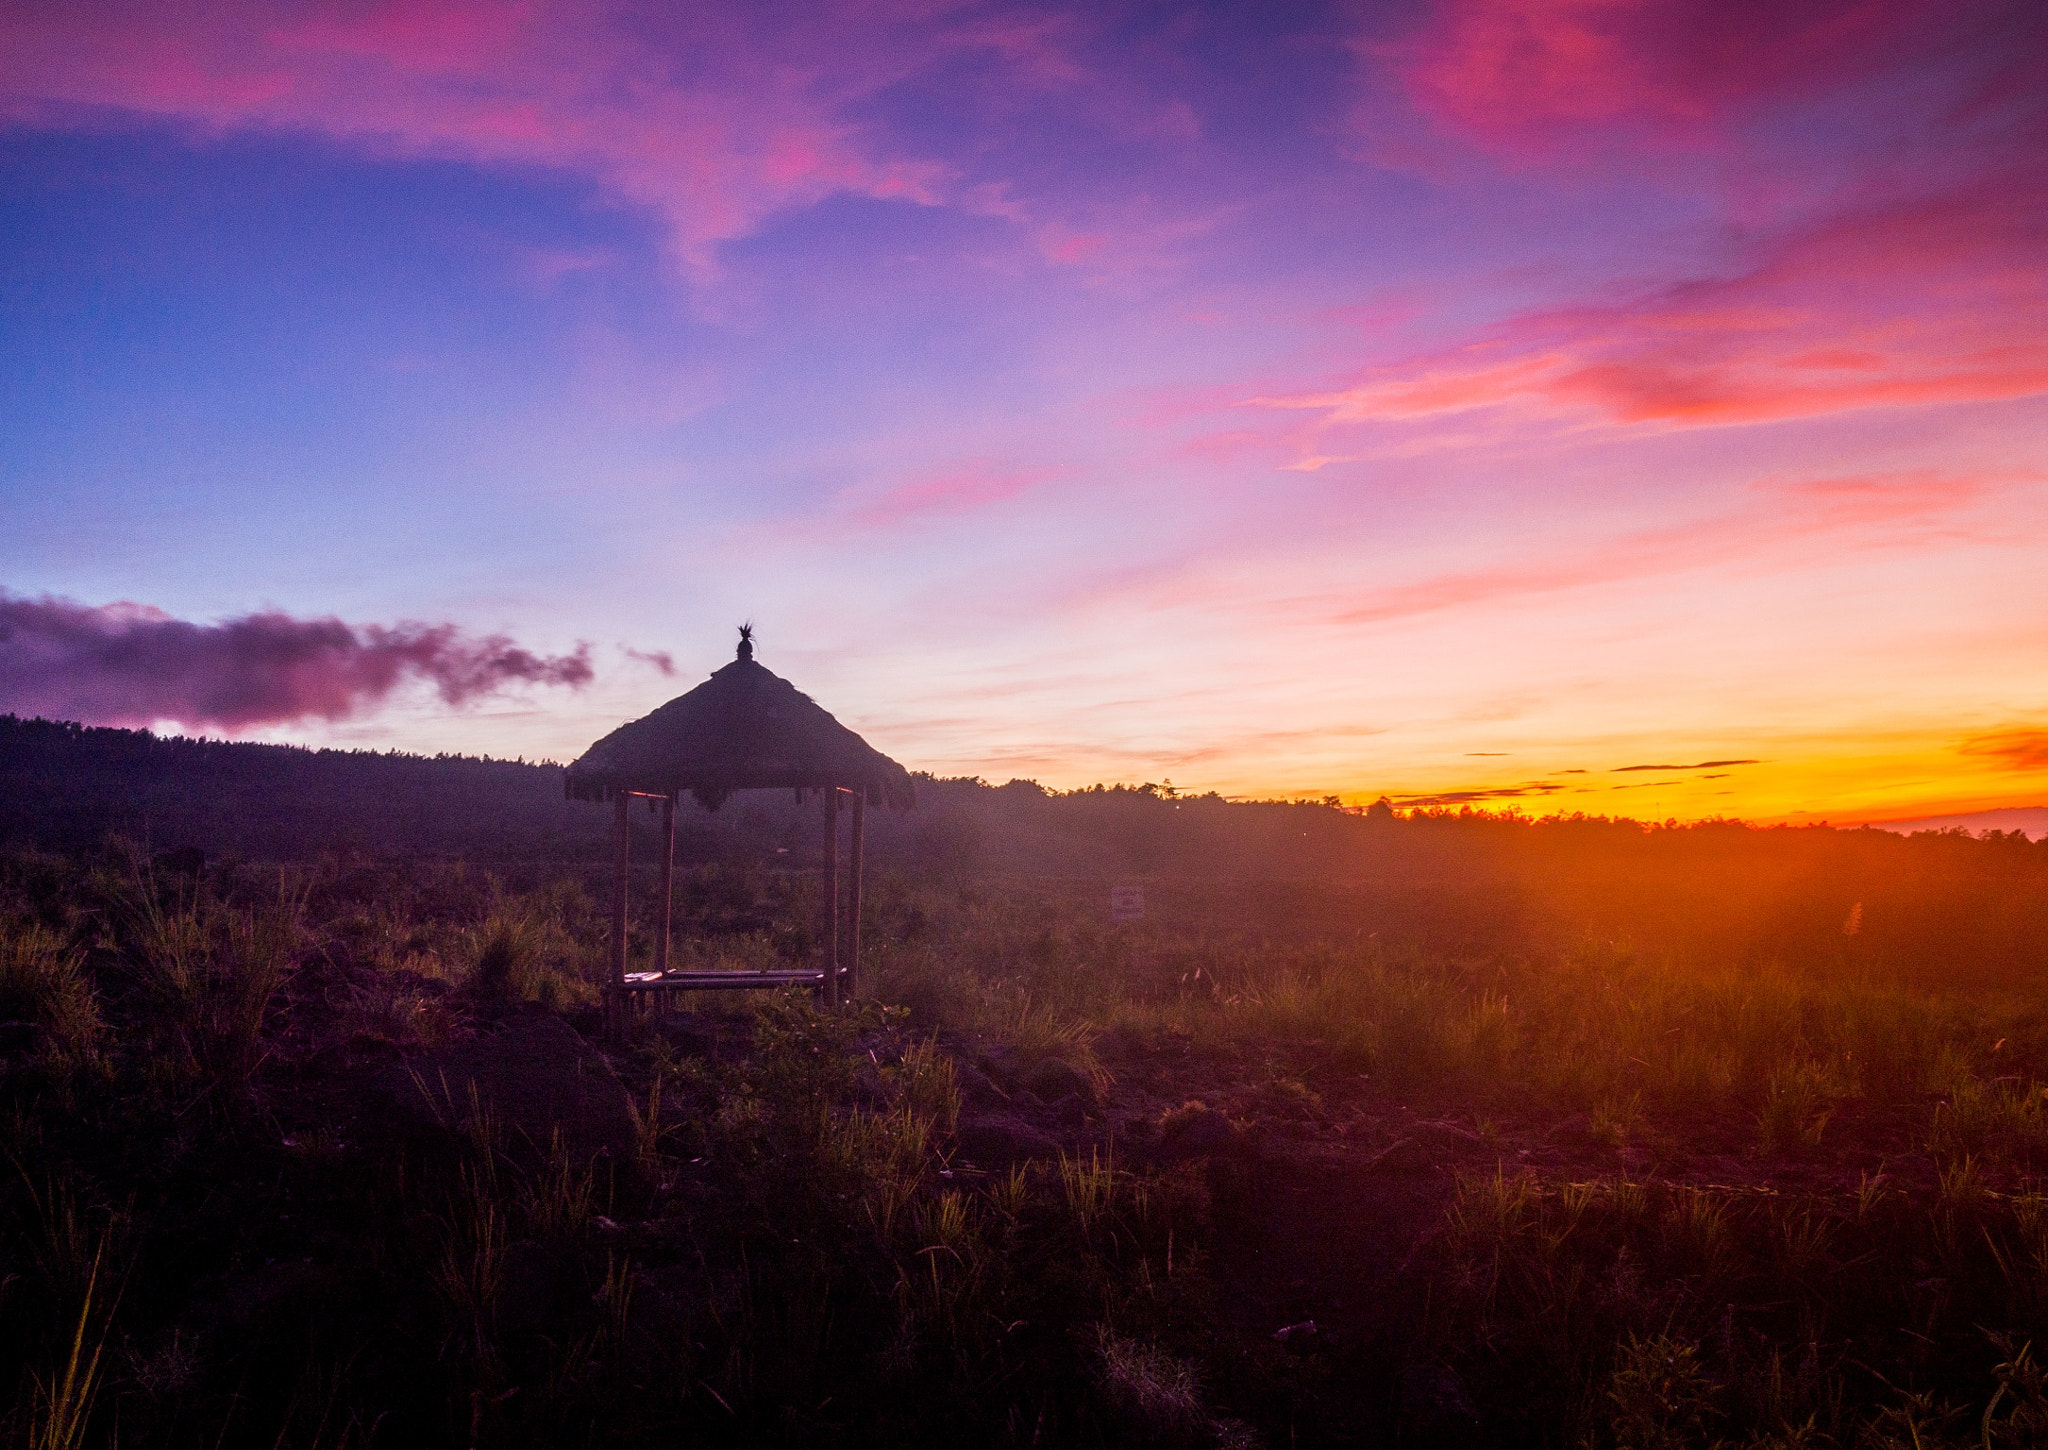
(2021, 747)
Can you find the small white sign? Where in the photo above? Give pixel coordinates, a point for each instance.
(1126, 903)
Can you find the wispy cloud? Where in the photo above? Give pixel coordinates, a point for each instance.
(658, 660)
(129, 664)
(965, 489)
(1486, 793)
(1702, 765)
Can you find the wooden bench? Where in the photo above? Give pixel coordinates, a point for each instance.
(637, 983)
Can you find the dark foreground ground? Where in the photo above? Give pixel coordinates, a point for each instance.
(333, 1156)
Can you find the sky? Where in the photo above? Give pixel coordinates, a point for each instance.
(1569, 405)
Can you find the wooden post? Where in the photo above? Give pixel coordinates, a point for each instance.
(860, 822)
(832, 895)
(668, 887)
(621, 861)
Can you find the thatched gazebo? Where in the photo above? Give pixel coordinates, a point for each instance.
(745, 728)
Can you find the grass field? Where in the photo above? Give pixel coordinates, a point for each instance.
(328, 1155)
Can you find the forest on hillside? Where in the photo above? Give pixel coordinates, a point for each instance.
(1933, 907)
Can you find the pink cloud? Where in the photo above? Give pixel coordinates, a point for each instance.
(1525, 76)
(1887, 508)
(1224, 448)
(960, 491)
(1932, 301)
(1071, 248)
(711, 121)
(1781, 524)
(714, 116)
(129, 664)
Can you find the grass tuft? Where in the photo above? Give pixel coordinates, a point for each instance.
(1154, 1398)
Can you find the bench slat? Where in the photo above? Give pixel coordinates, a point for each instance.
(719, 981)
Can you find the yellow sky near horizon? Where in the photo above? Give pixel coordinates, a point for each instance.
(1794, 781)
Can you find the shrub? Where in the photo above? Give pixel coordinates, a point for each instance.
(1658, 1396)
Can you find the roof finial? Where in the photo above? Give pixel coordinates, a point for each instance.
(747, 640)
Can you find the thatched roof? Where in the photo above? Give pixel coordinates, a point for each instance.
(745, 728)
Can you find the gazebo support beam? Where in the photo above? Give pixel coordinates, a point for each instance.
(832, 895)
(621, 863)
(668, 884)
(860, 823)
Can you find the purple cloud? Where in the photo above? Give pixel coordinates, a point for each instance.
(130, 664)
(658, 660)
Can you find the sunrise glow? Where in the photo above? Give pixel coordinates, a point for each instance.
(1571, 405)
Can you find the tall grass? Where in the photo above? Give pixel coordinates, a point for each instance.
(926, 1086)
(64, 1400)
(470, 1268)
(1598, 1027)
(43, 981)
(518, 955)
(805, 1260)
(2002, 1119)
(1618, 1313)
(208, 972)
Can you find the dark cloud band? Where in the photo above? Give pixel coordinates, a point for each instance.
(1698, 765)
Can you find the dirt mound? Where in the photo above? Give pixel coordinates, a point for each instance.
(998, 1140)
